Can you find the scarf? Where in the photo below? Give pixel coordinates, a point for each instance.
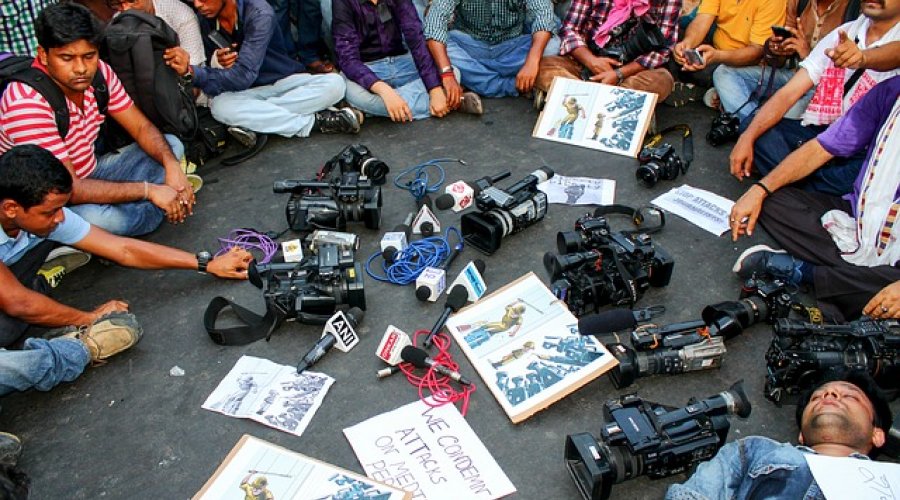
(620, 12)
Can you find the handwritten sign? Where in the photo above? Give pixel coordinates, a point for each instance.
(700, 207)
(430, 452)
(855, 478)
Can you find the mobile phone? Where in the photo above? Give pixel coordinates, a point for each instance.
(694, 57)
(219, 40)
(782, 32)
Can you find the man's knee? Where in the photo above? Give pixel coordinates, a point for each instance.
(129, 219)
(176, 146)
(555, 66)
(659, 81)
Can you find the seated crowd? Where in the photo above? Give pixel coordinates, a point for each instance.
(813, 85)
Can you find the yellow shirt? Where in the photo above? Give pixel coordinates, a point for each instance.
(740, 23)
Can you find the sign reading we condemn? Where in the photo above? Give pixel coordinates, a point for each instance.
(429, 451)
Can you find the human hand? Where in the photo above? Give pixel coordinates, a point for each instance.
(232, 264)
(741, 158)
(599, 65)
(453, 91)
(709, 55)
(178, 59)
(397, 108)
(607, 77)
(177, 180)
(108, 307)
(797, 43)
(885, 304)
(846, 54)
(526, 76)
(167, 199)
(678, 53)
(227, 57)
(745, 212)
(437, 102)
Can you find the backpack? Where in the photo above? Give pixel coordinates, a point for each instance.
(15, 68)
(133, 46)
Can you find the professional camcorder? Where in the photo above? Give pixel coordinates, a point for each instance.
(698, 345)
(644, 38)
(802, 353)
(597, 266)
(347, 189)
(644, 438)
(313, 289)
(504, 212)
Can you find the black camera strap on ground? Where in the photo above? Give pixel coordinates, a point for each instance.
(637, 216)
(255, 327)
(687, 143)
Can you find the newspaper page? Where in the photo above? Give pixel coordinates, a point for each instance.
(702, 208)
(579, 190)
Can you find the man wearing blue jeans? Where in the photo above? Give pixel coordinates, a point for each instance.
(489, 45)
(127, 193)
(34, 190)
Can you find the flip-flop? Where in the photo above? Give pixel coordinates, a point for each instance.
(320, 67)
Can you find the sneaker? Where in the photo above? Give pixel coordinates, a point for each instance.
(62, 261)
(109, 335)
(762, 260)
(540, 98)
(244, 136)
(711, 99)
(684, 93)
(470, 103)
(345, 121)
(10, 449)
(252, 150)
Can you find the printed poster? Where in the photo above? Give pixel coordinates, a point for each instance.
(702, 208)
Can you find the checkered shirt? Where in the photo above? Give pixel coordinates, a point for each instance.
(17, 20)
(489, 21)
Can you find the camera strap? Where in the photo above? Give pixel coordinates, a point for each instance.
(255, 327)
(637, 216)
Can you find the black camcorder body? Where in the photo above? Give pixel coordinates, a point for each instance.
(802, 353)
(503, 212)
(312, 290)
(645, 438)
(596, 266)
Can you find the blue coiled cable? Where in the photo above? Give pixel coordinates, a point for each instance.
(420, 185)
(409, 263)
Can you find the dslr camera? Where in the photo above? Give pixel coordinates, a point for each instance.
(505, 212)
(801, 354)
(357, 158)
(596, 266)
(659, 163)
(312, 290)
(645, 438)
(725, 128)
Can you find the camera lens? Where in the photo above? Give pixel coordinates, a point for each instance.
(568, 241)
(648, 174)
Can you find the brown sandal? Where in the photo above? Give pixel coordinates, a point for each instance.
(320, 67)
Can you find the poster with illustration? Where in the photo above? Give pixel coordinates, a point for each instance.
(595, 115)
(258, 469)
(525, 345)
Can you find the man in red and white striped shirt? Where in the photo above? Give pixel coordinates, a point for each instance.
(126, 192)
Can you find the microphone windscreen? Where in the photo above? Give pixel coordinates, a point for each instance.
(355, 315)
(414, 355)
(444, 201)
(388, 254)
(457, 297)
(607, 322)
(480, 265)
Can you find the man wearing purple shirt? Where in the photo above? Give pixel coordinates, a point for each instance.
(855, 270)
(383, 77)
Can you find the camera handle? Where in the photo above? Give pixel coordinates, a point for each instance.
(687, 143)
(636, 214)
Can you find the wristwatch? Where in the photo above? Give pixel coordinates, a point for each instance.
(203, 259)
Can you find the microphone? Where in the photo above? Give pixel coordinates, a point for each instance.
(430, 283)
(393, 341)
(471, 278)
(396, 240)
(457, 298)
(338, 332)
(425, 222)
(616, 320)
(420, 359)
(460, 195)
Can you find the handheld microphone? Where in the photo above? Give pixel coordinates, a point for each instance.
(393, 341)
(425, 222)
(396, 240)
(420, 359)
(430, 283)
(339, 332)
(616, 320)
(460, 195)
(471, 278)
(457, 298)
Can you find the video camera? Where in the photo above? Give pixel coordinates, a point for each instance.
(801, 353)
(347, 188)
(504, 212)
(596, 266)
(312, 290)
(698, 345)
(645, 438)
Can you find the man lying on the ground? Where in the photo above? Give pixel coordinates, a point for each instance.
(770, 137)
(846, 247)
(34, 190)
(256, 86)
(847, 415)
(126, 192)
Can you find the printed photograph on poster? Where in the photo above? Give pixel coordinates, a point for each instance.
(525, 345)
(579, 190)
(595, 115)
(269, 393)
(258, 469)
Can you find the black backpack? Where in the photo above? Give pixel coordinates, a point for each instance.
(18, 69)
(133, 46)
